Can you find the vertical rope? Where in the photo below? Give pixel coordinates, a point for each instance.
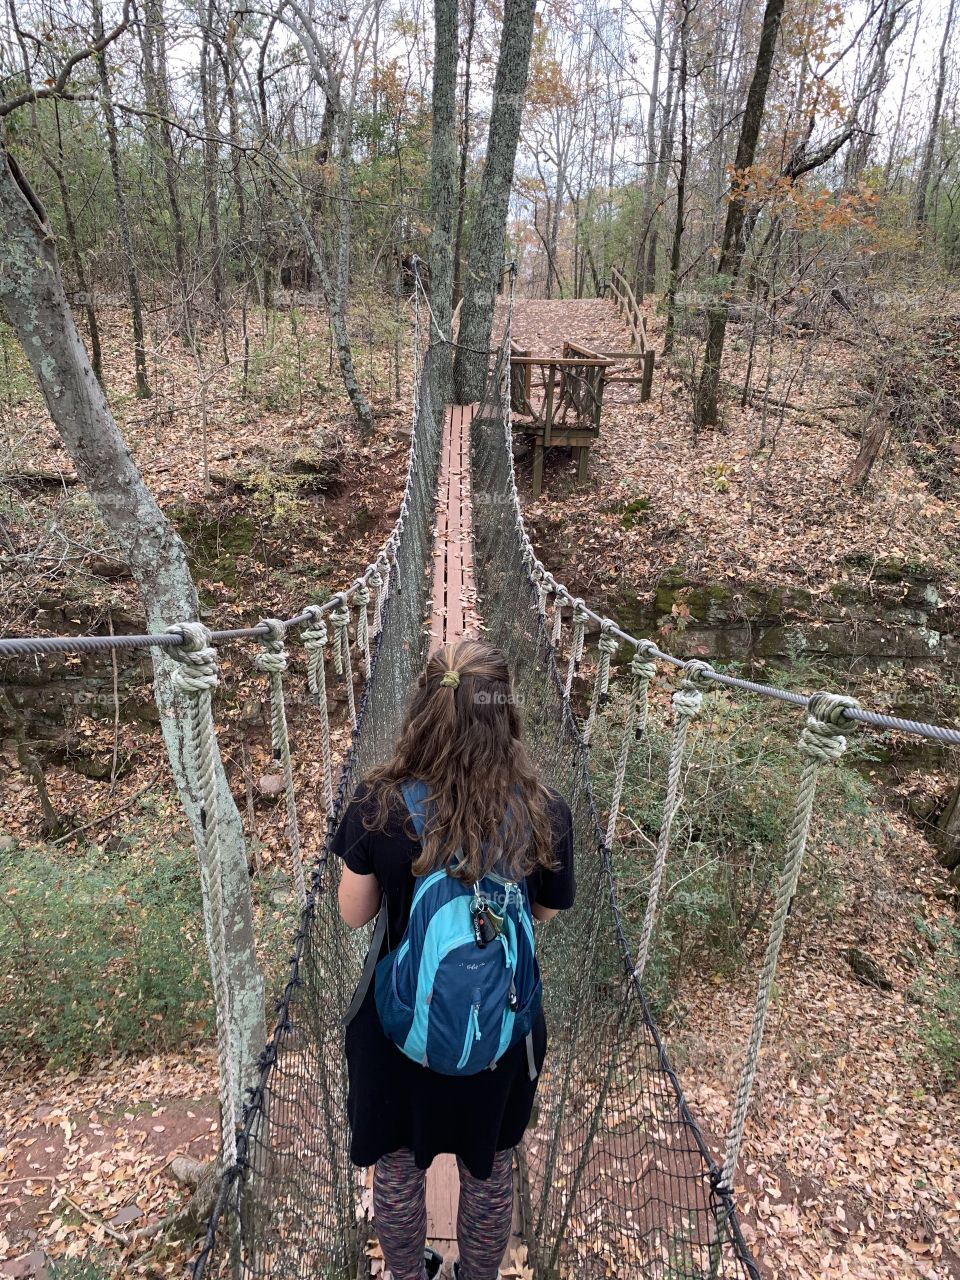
(643, 669)
(362, 599)
(576, 643)
(538, 576)
(340, 617)
(556, 628)
(314, 640)
(417, 342)
(607, 644)
(378, 580)
(195, 676)
(687, 701)
(822, 742)
(273, 662)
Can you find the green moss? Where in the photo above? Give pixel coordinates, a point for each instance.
(216, 544)
(632, 513)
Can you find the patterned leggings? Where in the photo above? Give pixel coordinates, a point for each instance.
(484, 1219)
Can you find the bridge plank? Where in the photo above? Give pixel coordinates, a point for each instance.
(452, 616)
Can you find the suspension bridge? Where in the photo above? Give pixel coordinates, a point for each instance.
(615, 1178)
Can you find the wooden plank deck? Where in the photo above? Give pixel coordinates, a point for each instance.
(452, 616)
(453, 613)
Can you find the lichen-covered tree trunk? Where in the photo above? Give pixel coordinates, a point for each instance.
(486, 247)
(443, 162)
(733, 245)
(33, 301)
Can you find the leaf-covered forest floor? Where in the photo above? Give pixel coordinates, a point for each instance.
(296, 505)
(850, 1165)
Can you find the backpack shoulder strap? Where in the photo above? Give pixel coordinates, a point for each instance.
(369, 965)
(415, 797)
(415, 794)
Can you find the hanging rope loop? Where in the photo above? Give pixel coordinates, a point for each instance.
(196, 676)
(375, 578)
(314, 637)
(361, 598)
(643, 665)
(822, 741)
(272, 660)
(314, 641)
(643, 669)
(607, 646)
(340, 618)
(580, 618)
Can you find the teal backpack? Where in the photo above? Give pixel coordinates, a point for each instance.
(463, 987)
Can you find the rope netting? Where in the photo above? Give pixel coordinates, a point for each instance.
(288, 1206)
(617, 1178)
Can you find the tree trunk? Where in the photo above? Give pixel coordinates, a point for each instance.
(948, 832)
(157, 89)
(464, 156)
(926, 164)
(486, 247)
(33, 301)
(76, 256)
(733, 245)
(651, 167)
(211, 160)
(443, 167)
(123, 217)
(678, 225)
(663, 173)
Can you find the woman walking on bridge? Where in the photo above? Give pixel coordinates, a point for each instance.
(459, 847)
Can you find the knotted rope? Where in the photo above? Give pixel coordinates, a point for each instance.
(607, 645)
(687, 701)
(362, 599)
(643, 669)
(378, 579)
(340, 617)
(314, 641)
(557, 623)
(273, 662)
(822, 742)
(195, 676)
(580, 617)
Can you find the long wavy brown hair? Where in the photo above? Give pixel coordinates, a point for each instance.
(462, 737)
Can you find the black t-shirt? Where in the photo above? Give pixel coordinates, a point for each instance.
(394, 1103)
(390, 853)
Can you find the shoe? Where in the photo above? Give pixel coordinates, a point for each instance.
(433, 1262)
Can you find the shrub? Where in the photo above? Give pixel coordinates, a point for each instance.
(939, 997)
(100, 953)
(740, 780)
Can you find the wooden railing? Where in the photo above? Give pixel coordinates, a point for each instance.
(558, 400)
(629, 308)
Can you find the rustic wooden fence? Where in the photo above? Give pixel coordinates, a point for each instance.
(626, 303)
(558, 400)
